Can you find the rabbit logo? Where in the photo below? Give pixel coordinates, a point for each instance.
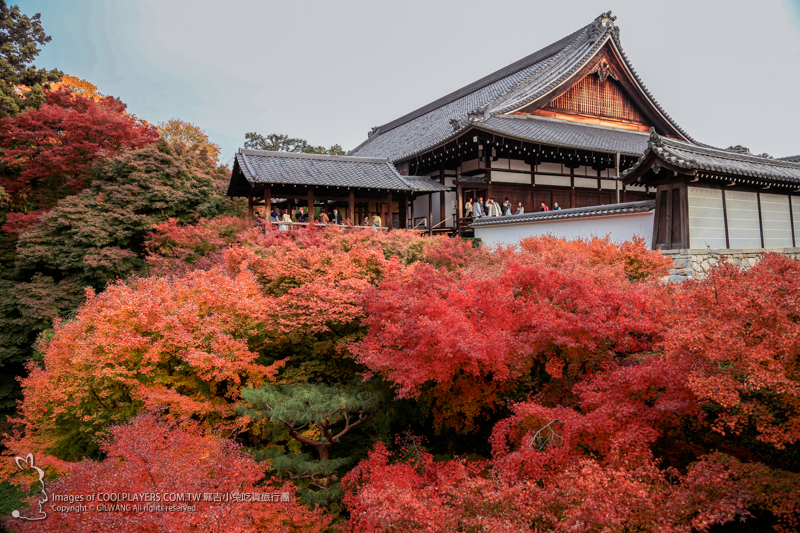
(24, 464)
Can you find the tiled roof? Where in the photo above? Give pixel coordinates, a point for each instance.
(259, 166)
(791, 158)
(570, 134)
(693, 157)
(506, 90)
(424, 184)
(577, 212)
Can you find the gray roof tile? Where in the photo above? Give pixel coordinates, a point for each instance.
(289, 168)
(569, 134)
(693, 157)
(577, 212)
(488, 99)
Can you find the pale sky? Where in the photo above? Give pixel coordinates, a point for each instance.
(727, 71)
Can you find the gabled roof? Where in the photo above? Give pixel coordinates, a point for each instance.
(480, 104)
(577, 212)
(699, 159)
(288, 168)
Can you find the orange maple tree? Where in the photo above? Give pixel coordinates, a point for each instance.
(188, 345)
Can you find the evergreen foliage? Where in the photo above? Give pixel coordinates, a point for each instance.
(21, 82)
(318, 416)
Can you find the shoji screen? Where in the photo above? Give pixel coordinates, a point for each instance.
(743, 228)
(776, 220)
(706, 220)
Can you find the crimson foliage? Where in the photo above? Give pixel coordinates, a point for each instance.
(48, 152)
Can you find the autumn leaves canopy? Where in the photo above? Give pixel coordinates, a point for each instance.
(604, 398)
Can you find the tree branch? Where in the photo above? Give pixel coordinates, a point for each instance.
(305, 440)
(362, 416)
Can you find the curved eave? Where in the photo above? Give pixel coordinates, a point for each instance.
(634, 78)
(484, 129)
(652, 159)
(506, 135)
(239, 182)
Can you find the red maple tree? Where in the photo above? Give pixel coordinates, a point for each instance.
(48, 152)
(179, 479)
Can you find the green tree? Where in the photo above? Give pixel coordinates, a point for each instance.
(20, 81)
(317, 416)
(276, 142)
(739, 148)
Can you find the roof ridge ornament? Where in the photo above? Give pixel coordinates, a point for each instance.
(478, 115)
(603, 23)
(655, 138)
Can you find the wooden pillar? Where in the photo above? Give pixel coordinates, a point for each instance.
(430, 213)
(488, 174)
(389, 217)
(352, 208)
(404, 211)
(311, 216)
(411, 201)
(460, 207)
(289, 207)
(571, 188)
(267, 201)
(442, 207)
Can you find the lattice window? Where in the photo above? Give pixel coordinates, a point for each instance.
(590, 96)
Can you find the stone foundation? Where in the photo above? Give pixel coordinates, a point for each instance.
(695, 264)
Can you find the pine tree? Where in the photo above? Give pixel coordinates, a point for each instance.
(316, 415)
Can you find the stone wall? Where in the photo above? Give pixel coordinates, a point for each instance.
(695, 264)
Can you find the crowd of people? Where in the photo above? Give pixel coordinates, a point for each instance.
(283, 220)
(490, 208)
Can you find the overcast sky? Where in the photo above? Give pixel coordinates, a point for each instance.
(727, 71)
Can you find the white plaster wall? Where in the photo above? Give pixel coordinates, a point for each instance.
(620, 227)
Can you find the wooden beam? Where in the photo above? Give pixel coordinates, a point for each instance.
(311, 216)
(351, 211)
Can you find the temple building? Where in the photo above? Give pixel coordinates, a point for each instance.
(571, 125)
